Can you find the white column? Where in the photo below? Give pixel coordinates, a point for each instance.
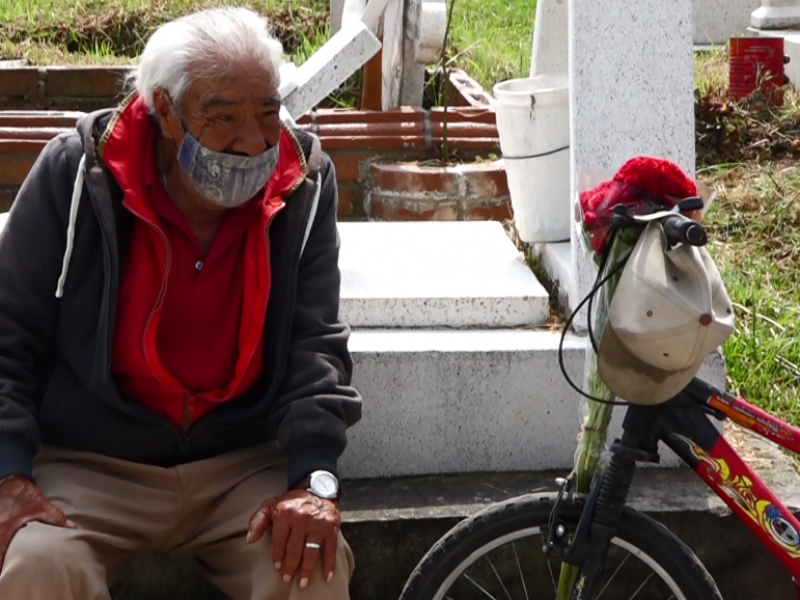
(776, 14)
(550, 53)
(631, 93)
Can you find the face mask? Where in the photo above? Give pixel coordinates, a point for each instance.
(228, 180)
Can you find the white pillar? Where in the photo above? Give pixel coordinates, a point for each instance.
(776, 14)
(550, 53)
(631, 93)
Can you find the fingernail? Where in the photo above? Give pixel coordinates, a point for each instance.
(330, 577)
(287, 578)
(278, 566)
(304, 582)
(249, 536)
(71, 524)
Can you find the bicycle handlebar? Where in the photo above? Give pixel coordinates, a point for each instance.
(683, 230)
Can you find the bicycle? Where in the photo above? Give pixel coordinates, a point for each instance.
(588, 530)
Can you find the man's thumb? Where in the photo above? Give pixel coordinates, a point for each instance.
(52, 515)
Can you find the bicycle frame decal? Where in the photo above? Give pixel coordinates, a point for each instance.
(744, 492)
(757, 420)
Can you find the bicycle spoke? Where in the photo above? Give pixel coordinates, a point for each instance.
(641, 587)
(519, 568)
(608, 583)
(550, 568)
(477, 585)
(496, 574)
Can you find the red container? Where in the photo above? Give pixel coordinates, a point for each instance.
(757, 63)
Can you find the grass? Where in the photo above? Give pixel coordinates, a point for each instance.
(490, 40)
(755, 231)
(115, 31)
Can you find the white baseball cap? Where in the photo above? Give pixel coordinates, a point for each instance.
(669, 311)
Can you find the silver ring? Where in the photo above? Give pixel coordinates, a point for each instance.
(313, 545)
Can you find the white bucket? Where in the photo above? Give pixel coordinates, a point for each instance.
(533, 123)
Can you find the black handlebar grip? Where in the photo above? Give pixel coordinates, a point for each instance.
(682, 230)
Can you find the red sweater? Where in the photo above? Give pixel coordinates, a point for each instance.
(189, 325)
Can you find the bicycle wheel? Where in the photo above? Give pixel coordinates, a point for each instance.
(497, 555)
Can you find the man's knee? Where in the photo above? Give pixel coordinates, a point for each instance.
(39, 550)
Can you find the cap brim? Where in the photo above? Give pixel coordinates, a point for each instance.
(629, 378)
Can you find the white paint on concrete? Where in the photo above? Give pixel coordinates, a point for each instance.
(436, 274)
(444, 402)
(330, 66)
(631, 93)
(461, 401)
(550, 52)
(716, 21)
(557, 262)
(432, 28)
(392, 56)
(776, 14)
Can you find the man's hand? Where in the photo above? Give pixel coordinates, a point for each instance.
(20, 503)
(299, 518)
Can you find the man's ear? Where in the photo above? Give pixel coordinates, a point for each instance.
(164, 108)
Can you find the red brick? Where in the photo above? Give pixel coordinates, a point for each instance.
(470, 143)
(346, 200)
(399, 128)
(463, 129)
(371, 143)
(486, 181)
(92, 82)
(7, 195)
(470, 92)
(30, 133)
(460, 114)
(348, 164)
(392, 209)
(39, 118)
(20, 82)
(489, 212)
(411, 178)
(347, 115)
(14, 168)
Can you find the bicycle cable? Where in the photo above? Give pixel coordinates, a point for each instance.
(600, 281)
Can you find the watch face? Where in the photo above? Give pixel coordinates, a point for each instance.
(324, 484)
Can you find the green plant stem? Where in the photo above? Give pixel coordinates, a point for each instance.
(594, 432)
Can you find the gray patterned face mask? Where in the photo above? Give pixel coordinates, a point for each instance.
(228, 180)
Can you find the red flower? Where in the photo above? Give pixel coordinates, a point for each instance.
(642, 179)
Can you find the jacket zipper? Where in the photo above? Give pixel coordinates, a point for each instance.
(290, 308)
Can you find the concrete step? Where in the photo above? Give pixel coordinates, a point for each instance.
(436, 274)
(469, 401)
(391, 524)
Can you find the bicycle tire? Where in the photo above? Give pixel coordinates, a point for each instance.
(479, 531)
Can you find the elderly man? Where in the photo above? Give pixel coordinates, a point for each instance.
(174, 375)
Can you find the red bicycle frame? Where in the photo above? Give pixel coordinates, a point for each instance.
(724, 471)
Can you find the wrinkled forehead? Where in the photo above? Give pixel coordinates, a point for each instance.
(219, 84)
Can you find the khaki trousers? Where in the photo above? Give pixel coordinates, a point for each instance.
(123, 508)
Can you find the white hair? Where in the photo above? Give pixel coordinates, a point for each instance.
(199, 43)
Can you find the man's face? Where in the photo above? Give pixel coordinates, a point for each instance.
(237, 113)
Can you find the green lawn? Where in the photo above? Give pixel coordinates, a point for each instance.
(491, 40)
(755, 233)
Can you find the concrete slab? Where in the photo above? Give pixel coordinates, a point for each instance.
(445, 402)
(436, 274)
(391, 524)
(716, 21)
(557, 262)
(462, 401)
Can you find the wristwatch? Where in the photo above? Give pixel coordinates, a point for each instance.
(324, 484)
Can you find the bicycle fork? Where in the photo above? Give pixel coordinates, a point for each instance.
(605, 514)
(606, 501)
